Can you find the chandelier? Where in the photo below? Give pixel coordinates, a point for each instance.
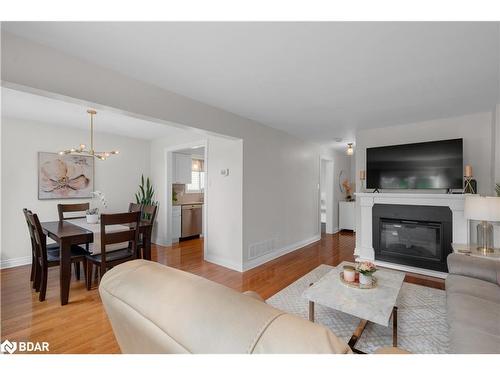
(83, 150)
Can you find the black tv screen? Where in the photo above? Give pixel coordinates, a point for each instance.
(426, 165)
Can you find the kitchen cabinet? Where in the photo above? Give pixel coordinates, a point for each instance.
(176, 223)
(182, 165)
(347, 215)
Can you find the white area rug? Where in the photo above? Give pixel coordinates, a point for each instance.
(422, 326)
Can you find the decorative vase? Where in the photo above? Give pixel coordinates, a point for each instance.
(365, 279)
(92, 219)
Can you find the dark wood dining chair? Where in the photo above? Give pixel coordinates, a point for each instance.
(149, 213)
(73, 207)
(50, 248)
(134, 207)
(108, 259)
(46, 257)
(148, 217)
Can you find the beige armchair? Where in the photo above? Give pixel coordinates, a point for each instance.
(158, 309)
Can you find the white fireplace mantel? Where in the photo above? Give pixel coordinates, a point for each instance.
(365, 201)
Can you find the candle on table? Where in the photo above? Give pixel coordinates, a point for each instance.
(349, 273)
(468, 171)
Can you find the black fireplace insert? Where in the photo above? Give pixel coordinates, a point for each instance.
(418, 236)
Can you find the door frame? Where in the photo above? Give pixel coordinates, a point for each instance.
(329, 193)
(168, 190)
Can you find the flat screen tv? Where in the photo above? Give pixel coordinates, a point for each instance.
(426, 165)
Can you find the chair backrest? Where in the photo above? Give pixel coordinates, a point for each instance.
(39, 238)
(74, 207)
(130, 232)
(149, 213)
(31, 233)
(134, 207)
(30, 228)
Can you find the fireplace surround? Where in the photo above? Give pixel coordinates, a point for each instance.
(418, 236)
(364, 223)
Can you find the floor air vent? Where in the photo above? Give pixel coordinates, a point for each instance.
(260, 248)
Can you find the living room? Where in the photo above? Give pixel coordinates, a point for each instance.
(347, 186)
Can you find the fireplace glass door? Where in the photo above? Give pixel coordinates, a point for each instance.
(410, 239)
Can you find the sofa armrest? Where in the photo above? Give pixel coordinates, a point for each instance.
(478, 268)
(254, 295)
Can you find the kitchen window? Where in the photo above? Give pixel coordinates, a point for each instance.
(197, 184)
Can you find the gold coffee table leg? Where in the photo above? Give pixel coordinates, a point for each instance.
(311, 311)
(357, 334)
(311, 308)
(395, 326)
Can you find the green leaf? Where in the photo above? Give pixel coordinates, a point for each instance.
(146, 192)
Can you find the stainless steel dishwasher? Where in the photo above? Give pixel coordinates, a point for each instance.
(191, 220)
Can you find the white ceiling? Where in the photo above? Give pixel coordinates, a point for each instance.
(26, 106)
(318, 81)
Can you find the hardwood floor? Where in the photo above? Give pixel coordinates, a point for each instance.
(82, 325)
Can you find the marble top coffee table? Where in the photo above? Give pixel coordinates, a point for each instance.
(375, 305)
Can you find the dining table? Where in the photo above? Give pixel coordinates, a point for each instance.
(67, 233)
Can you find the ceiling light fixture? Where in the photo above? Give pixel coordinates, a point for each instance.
(350, 150)
(82, 149)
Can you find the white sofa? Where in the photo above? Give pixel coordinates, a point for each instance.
(158, 309)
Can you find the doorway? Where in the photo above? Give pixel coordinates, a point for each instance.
(326, 195)
(187, 192)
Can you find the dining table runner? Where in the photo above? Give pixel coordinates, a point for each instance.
(95, 247)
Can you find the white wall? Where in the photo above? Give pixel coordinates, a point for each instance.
(223, 197)
(117, 177)
(280, 172)
(475, 129)
(280, 193)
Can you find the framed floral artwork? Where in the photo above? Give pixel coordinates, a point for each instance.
(65, 176)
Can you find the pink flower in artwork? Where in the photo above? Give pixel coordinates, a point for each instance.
(63, 178)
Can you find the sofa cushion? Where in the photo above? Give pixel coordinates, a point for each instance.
(473, 287)
(466, 339)
(474, 324)
(475, 312)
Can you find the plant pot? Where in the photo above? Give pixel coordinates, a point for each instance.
(92, 219)
(365, 279)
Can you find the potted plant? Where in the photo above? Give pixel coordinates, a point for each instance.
(366, 271)
(92, 214)
(145, 195)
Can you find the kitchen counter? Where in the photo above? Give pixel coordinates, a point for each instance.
(187, 204)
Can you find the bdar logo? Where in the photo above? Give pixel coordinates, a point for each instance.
(8, 347)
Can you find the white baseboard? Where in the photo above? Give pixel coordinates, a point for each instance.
(335, 230)
(223, 262)
(15, 262)
(158, 240)
(402, 267)
(279, 252)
